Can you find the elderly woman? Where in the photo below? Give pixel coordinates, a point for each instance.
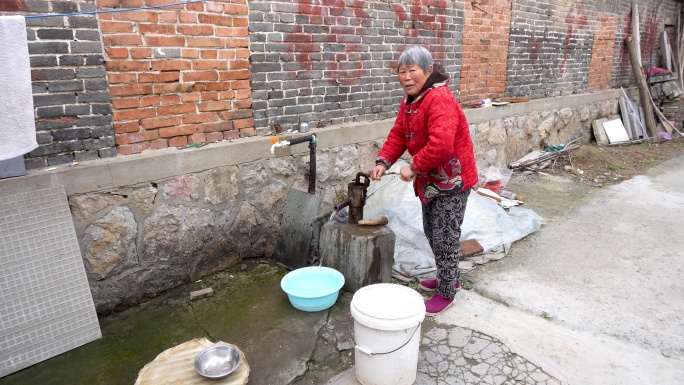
(434, 130)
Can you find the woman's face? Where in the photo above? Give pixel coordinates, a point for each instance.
(412, 78)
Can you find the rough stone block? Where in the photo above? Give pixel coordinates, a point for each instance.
(364, 255)
(204, 293)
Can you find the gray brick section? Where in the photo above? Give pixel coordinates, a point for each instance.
(551, 43)
(55, 34)
(549, 56)
(60, 159)
(71, 60)
(43, 61)
(335, 66)
(107, 152)
(48, 47)
(70, 89)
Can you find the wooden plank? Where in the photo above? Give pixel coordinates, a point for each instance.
(624, 113)
(644, 94)
(667, 51)
(514, 100)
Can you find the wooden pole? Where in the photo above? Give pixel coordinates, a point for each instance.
(644, 93)
(636, 31)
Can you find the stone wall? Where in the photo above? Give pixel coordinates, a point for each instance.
(502, 140)
(143, 238)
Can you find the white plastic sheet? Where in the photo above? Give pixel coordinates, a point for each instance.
(485, 221)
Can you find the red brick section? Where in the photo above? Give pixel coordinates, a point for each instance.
(179, 74)
(602, 52)
(13, 5)
(486, 30)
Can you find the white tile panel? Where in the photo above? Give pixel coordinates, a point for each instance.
(46, 307)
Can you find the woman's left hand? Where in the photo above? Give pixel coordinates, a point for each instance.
(407, 174)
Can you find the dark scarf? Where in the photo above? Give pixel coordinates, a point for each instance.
(438, 75)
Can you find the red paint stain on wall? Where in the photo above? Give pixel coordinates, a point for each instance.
(649, 40)
(573, 19)
(331, 49)
(623, 58)
(13, 5)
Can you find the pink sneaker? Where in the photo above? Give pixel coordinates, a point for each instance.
(437, 304)
(431, 285)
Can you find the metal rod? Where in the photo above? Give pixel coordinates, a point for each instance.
(384, 183)
(312, 166)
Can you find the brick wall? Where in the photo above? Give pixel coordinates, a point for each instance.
(228, 68)
(653, 16)
(177, 75)
(70, 95)
(331, 62)
(550, 48)
(485, 49)
(603, 51)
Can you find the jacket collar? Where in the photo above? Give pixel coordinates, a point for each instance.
(438, 78)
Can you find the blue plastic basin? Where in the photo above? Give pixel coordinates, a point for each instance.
(312, 288)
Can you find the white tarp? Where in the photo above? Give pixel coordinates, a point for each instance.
(485, 221)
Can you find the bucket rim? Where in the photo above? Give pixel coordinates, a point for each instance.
(389, 323)
(305, 270)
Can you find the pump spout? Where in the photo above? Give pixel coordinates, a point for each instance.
(311, 138)
(343, 204)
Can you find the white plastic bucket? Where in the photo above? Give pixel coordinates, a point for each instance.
(387, 319)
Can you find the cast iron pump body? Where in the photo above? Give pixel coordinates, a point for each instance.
(356, 198)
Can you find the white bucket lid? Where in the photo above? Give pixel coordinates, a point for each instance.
(387, 306)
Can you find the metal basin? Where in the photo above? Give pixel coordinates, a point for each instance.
(217, 361)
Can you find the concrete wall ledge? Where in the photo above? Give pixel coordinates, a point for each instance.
(154, 165)
(478, 115)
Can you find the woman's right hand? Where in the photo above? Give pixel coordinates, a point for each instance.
(377, 172)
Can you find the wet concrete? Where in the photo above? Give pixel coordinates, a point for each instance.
(282, 345)
(248, 309)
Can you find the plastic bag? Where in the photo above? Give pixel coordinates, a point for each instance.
(495, 178)
(484, 220)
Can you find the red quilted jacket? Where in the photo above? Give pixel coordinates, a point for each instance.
(435, 132)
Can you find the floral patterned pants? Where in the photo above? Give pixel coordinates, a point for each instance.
(442, 219)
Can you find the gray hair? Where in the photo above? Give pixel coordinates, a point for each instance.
(416, 55)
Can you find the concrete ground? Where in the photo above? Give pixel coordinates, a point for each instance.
(594, 297)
